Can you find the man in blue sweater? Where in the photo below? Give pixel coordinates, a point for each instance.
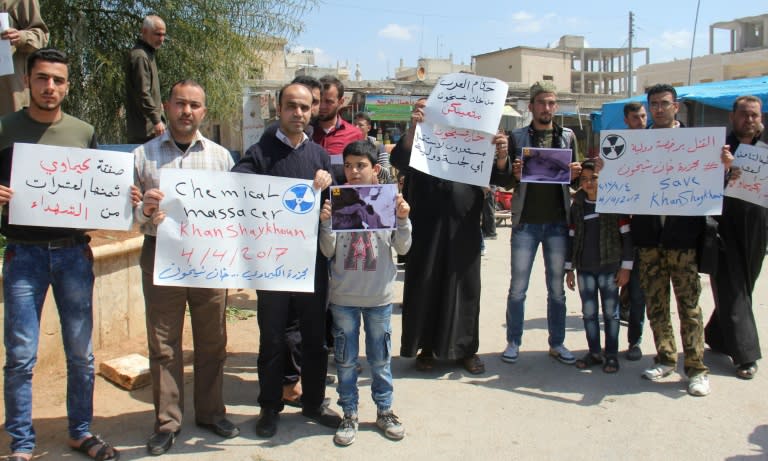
(290, 153)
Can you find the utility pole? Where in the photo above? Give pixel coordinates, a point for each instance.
(693, 41)
(630, 71)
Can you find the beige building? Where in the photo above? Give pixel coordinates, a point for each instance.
(429, 69)
(746, 56)
(525, 64)
(598, 70)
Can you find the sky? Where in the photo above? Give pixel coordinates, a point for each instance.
(376, 35)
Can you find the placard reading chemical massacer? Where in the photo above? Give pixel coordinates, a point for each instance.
(235, 230)
(672, 171)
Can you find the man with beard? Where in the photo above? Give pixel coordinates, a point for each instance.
(742, 226)
(540, 214)
(635, 117)
(331, 131)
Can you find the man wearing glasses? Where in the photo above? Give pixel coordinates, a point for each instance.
(666, 247)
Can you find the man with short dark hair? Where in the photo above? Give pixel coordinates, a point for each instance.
(540, 214)
(181, 146)
(667, 252)
(292, 371)
(143, 103)
(39, 257)
(290, 153)
(742, 227)
(331, 131)
(635, 118)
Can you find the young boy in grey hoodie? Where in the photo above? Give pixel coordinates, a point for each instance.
(361, 284)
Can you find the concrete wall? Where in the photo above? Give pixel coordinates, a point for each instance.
(527, 65)
(710, 68)
(118, 303)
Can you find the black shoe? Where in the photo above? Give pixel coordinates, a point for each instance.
(223, 428)
(266, 426)
(160, 442)
(634, 353)
(323, 415)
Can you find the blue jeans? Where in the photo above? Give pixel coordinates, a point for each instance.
(28, 270)
(378, 347)
(525, 242)
(589, 284)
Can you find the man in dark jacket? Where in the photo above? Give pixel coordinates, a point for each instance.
(742, 227)
(143, 104)
(667, 252)
(290, 153)
(539, 213)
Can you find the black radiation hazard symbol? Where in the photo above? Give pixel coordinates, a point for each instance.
(613, 146)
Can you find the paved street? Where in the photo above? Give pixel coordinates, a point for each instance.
(534, 409)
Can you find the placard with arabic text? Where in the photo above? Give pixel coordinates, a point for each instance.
(672, 171)
(70, 187)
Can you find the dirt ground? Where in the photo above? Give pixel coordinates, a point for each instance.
(536, 408)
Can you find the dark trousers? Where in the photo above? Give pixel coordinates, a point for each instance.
(165, 311)
(292, 371)
(636, 307)
(274, 315)
(489, 213)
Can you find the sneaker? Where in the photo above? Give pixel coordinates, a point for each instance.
(388, 422)
(347, 430)
(699, 385)
(562, 354)
(510, 353)
(658, 371)
(634, 353)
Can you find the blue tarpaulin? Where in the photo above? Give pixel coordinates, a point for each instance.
(716, 94)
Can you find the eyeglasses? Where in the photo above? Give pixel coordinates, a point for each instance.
(661, 105)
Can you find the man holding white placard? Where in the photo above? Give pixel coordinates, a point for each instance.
(742, 227)
(39, 257)
(181, 146)
(26, 31)
(291, 154)
(667, 252)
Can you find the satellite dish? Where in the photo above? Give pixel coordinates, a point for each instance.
(421, 73)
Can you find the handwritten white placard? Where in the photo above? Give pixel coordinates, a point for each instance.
(70, 187)
(456, 154)
(235, 230)
(673, 171)
(753, 163)
(467, 101)
(6, 58)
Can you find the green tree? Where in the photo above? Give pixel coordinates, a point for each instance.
(212, 41)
